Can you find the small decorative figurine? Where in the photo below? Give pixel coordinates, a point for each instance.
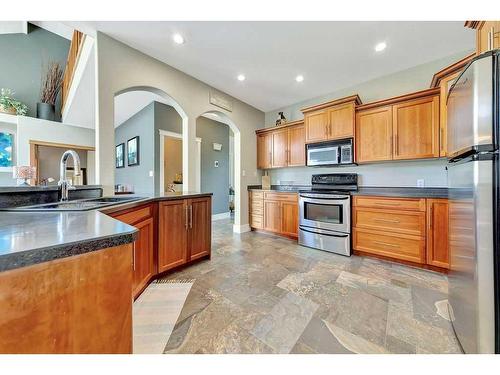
(281, 119)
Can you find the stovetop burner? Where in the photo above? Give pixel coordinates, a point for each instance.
(333, 183)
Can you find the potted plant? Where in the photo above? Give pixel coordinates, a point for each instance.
(49, 90)
(10, 105)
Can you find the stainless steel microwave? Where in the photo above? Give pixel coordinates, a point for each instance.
(330, 153)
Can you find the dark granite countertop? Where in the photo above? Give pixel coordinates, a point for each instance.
(408, 192)
(30, 189)
(28, 238)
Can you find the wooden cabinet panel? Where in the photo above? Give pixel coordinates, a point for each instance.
(200, 236)
(393, 245)
(279, 151)
(172, 228)
(256, 221)
(135, 215)
(488, 36)
(264, 150)
(296, 146)
(412, 204)
(374, 135)
(341, 121)
(272, 216)
(437, 233)
(409, 222)
(316, 126)
(143, 255)
(290, 218)
(444, 85)
(416, 128)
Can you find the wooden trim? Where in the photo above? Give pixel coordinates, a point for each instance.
(474, 24)
(75, 50)
(405, 262)
(451, 69)
(285, 126)
(34, 163)
(61, 145)
(353, 98)
(400, 98)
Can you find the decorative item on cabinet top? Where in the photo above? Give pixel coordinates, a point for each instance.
(281, 119)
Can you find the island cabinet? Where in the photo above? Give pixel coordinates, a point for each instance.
(275, 212)
(184, 231)
(283, 146)
(401, 128)
(413, 230)
(331, 120)
(144, 247)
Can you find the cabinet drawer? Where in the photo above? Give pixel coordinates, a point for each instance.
(413, 204)
(409, 222)
(275, 196)
(256, 221)
(255, 195)
(135, 215)
(398, 246)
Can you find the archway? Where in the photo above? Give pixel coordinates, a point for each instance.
(130, 102)
(225, 119)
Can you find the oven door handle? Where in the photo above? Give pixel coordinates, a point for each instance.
(324, 233)
(326, 201)
(325, 196)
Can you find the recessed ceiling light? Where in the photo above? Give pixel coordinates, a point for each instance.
(299, 78)
(241, 77)
(178, 38)
(379, 47)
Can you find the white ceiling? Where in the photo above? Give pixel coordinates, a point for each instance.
(330, 55)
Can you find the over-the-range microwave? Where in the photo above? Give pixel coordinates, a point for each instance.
(339, 152)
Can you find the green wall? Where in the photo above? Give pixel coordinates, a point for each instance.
(21, 60)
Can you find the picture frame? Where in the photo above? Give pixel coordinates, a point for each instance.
(133, 151)
(6, 151)
(120, 155)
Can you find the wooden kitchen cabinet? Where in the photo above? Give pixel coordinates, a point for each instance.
(415, 126)
(184, 231)
(274, 211)
(296, 146)
(279, 150)
(437, 233)
(289, 218)
(341, 120)
(316, 124)
(487, 35)
(272, 216)
(374, 135)
(264, 151)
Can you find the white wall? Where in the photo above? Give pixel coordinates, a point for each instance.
(379, 174)
(120, 67)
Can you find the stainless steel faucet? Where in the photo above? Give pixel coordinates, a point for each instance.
(64, 186)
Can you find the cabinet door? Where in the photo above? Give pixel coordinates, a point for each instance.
(341, 121)
(488, 36)
(272, 216)
(437, 233)
(290, 218)
(416, 129)
(374, 135)
(445, 85)
(279, 154)
(143, 255)
(172, 230)
(200, 224)
(316, 126)
(264, 149)
(296, 146)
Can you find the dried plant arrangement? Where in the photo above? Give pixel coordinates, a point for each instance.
(51, 83)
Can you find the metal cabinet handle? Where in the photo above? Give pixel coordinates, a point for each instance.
(386, 244)
(133, 254)
(431, 217)
(186, 217)
(387, 221)
(191, 216)
(387, 204)
(490, 38)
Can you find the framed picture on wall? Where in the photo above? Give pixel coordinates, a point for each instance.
(120, 155)
(133, 151)
(6, 144)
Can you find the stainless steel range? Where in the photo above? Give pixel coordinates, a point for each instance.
(325, 212)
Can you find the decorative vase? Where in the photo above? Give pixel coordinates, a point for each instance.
(9, 110)
(46, 111)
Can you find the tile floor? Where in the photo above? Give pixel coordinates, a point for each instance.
(265, 294)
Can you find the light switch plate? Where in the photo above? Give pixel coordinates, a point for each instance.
(420, 182)
(151, 174)
(243, 172)
(216, 164)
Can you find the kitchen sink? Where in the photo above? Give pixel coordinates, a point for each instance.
(76, 205)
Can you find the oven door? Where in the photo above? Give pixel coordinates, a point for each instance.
(325, 211)
(327, 155)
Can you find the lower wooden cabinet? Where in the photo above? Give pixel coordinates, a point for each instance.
(409, 229)
(184, 231)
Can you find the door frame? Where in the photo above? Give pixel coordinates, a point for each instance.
(166, 133)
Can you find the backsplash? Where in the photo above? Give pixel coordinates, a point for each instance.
(403, 174)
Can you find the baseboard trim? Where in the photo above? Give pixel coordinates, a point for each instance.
(221, 216)
(241, 228)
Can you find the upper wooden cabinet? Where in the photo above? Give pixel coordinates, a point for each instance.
(400, 128)
(283, 146)
(374, 134)
(331, 120)
(415, 127)
(487, 35)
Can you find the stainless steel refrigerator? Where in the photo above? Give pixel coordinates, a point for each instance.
(473, 181)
